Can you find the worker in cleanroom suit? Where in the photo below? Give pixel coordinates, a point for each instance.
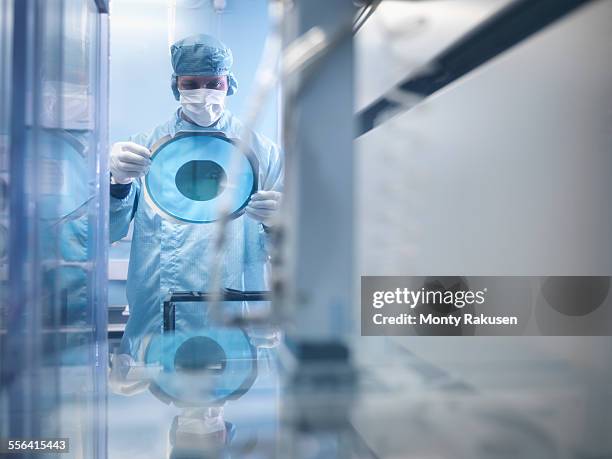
(167, 256)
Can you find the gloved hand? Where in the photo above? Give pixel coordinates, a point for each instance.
(128, 161)
(264, 336)
(264, 207)
(128, 377)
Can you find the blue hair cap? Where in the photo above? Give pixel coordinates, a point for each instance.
(202, 55)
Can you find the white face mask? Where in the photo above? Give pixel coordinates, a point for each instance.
(203, 106)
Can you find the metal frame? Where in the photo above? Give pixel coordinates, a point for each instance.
(169, 326)
(24, 345)
(513, 24)
(102, 6)
(316, 278)
(227, 294)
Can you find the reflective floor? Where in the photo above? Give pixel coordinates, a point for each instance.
(142, 426)
(502, 398)
(489, 398)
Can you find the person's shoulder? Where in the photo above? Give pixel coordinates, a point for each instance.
(152, 137)
(258, 141)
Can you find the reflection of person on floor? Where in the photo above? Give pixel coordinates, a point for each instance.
(201, 432)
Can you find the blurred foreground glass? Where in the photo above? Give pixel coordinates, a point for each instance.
(52, 332)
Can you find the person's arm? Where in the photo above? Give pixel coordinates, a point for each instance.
(265, 204)
(128, 162)
(123, 199)
(275, 175)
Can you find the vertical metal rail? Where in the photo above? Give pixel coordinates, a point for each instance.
(57, 298)
(18, 354)
(317, 290)
(318, 136)
(100, 226)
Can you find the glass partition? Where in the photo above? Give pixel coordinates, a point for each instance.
(52, 321)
